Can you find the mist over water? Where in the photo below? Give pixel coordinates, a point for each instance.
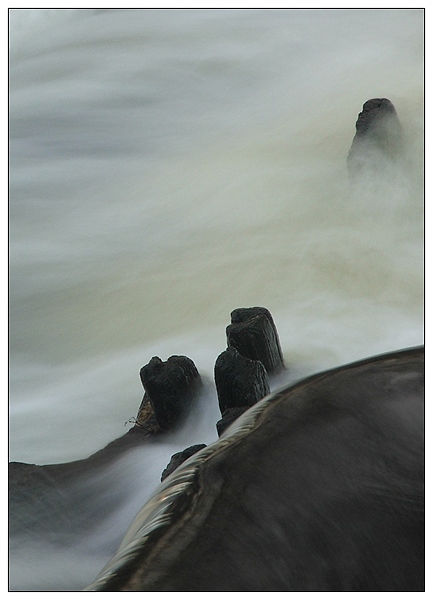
(168, 166)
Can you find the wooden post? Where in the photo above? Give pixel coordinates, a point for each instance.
(179, 458)
(254, 335)
(240, 381)
(170, 387)
(378, 133)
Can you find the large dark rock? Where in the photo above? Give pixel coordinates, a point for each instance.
(240, 381)
(253, 333)
(170, 387)
(321, 489)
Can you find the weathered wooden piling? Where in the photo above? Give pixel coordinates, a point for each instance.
(379, 135)
(240, 381)
(253, 333)
(170, 387)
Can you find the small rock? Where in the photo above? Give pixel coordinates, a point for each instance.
(229, 416)
(180, 457)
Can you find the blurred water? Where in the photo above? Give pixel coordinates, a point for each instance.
(168, 166)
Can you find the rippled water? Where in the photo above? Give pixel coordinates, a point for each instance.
(168, 166)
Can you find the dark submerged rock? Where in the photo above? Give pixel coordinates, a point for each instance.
(253, 333)
(55, 501)
(170, 387)
(229, 416)
(240, 381)
(179, 458)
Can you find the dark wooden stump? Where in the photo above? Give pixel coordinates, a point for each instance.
(378, 133)
(240, 381)
(179, 458)
(254, 335)
(170, 387)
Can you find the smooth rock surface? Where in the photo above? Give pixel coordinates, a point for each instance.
(320, 487)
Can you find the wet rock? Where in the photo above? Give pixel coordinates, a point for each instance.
(374, 118)
(378, 135)
(330, 471)
(240, 381)
(170, 387)
(253, 333)
(180, 457)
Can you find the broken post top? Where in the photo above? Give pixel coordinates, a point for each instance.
(253, 333)
(241, 315)
(179, 371)
(170, 386)
(378, 135)
(373, 113)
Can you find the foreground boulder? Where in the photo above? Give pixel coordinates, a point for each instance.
(319, 487)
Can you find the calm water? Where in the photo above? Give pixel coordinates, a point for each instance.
(168, 166)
